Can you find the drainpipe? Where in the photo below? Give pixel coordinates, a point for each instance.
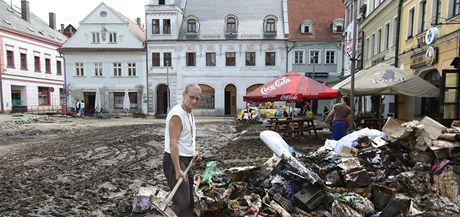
(1, 90)
(66, 92)
(146, 64)
(398, 33)
(287, 55)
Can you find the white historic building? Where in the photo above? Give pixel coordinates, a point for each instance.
(228, 51)
(31, 69)
(106, 53)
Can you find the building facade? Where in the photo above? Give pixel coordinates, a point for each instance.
(228, 52)
(315, 41)
(429, 48)
(31, 69)
(106, 53)
(378, 30)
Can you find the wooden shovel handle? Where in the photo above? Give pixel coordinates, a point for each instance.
(171, 194)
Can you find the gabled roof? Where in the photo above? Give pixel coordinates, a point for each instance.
(133, 27)
(321, 13)
(249, 13)
(12, 20)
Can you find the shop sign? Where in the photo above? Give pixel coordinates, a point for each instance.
(430, 56)
(431, 35)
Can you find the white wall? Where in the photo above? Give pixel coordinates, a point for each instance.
(215, 76)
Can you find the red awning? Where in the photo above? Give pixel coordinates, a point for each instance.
(292, 87)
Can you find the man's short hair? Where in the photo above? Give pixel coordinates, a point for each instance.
(191, 87)
(346, 99)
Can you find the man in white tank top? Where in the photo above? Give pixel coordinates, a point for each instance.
(180, 148)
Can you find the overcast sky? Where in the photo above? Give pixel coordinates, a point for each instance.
(73, 11)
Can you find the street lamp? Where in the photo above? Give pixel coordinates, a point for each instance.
(167, 86)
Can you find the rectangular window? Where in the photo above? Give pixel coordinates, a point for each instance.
(191, 59)
(379, 41)
(58, 67)
(98, 69)
(117, 69)
(166, 26)
(330, 57)
(372, 53)
(161, 2)
(43, 96)
(155, 26)
(410, 27)
(211, 59)
(314, 56)
(37, 63)
(96, 37)
(48, 65)
(113, 37)
(23, 61)
(368, 49)
(155, 59)
(298, 57)
(270, 58)
(132, 69)
(456, 7)
(422, 17)
(250, 58)
(437, 11)
(9, 59)
(306, 29)
(230, 59)
(79, 70)
(167, 60)
(118, 98)
(395, 29)
(386, 40)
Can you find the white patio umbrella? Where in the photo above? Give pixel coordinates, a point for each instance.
(97, 101)
(126, 102)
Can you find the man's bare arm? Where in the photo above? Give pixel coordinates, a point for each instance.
(175, 129)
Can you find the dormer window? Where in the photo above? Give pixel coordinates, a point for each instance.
(270, 24)
(192, 24)
(337, 26)
(231, 26)
(306, 27)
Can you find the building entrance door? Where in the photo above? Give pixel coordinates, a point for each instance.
(230, 99)
(90, 98)
(162, 99)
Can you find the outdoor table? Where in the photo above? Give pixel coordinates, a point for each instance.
(293, 126)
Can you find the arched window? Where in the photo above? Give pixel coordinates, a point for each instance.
(270, 25)
(207, 97)
(191, 25)
(231, 25)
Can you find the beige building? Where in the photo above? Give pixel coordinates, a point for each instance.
(431, 57)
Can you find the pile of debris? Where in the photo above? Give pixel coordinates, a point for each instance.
(409, 169)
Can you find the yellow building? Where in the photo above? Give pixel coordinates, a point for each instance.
(430, 57)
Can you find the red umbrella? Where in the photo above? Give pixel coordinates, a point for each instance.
(291, 87)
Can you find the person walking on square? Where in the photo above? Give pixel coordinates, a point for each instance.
(180, 148)
(341, 118)
(77, 108)
(82, 108)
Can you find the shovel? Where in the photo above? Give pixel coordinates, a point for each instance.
(163, 207)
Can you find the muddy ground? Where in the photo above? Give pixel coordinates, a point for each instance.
(53, 166)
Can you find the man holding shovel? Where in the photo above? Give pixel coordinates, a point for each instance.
(180, 150)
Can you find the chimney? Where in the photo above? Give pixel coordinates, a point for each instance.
(62, 28)
(25, 12)
(138, 21)
(52, 20)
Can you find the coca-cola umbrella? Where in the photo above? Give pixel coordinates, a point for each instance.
(291, 87)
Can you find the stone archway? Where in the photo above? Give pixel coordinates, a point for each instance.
(162, 99)
(230, 99)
